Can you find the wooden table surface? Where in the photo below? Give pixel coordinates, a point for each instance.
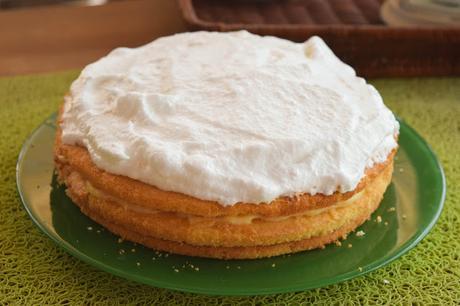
(54, 38)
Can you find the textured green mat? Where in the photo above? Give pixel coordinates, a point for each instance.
(33, 270)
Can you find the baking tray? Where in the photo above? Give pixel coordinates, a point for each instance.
(352, 28)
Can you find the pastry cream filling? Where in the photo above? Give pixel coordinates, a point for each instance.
(236, 220)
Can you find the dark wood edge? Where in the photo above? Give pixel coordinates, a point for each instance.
(191, 18)
(373, 50)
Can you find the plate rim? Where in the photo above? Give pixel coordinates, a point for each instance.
(100, 265)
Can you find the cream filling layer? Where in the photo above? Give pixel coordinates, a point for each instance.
(235, 220)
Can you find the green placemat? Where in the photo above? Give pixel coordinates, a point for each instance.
(33, 270)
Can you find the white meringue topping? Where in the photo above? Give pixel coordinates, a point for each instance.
(230, 117)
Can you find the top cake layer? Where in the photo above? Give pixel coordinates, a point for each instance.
(230, 117)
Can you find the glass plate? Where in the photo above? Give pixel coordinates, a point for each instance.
(410, 208)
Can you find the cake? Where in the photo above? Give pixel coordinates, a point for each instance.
(225, 145)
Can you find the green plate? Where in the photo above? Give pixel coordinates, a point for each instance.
(410, 208)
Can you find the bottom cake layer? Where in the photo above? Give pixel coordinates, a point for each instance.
(234, 237)
(366, 208)
(231, 252)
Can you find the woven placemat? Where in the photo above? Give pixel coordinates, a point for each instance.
(34, 271)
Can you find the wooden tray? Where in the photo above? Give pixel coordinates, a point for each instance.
(352, 28)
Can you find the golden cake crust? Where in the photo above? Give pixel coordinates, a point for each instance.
(218, 231)
(133, 191)
(130, 231)
(182, 224)
(251, 252)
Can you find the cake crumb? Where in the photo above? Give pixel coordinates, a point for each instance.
(379, 219)
(120, 240)
(133, 250)
(153, 258)
(401, 170)
(404, 217)
(238, 267)
(386, 223)
(197, 269)
(89, 228)
(273, 265)
(360, 269)
(98, 231)
(386, 282)
(350, 245)
(138, 264)
(167, 254)
(176, 270)
(338, 243)
(391, 209)
(121, 251)
(227, 267)
(360, 233)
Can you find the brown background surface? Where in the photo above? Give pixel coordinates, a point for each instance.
(54, 38)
